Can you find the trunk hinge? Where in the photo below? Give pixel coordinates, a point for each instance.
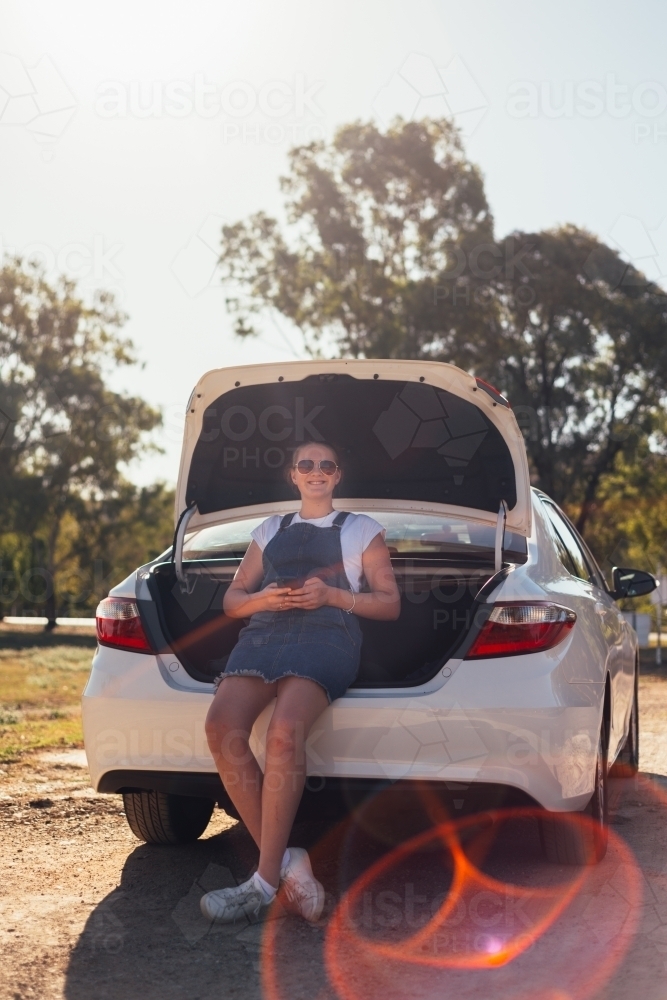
(500, 535)
(177, 547)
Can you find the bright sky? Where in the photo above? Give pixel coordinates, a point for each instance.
(129, 131)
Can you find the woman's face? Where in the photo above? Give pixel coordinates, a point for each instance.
(315, 485)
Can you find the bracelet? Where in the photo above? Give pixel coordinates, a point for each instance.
(348, 611)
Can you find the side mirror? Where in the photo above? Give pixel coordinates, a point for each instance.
(631, 583)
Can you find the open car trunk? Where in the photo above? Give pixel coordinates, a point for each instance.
(440, 565)
(417, 440)
(398, 653)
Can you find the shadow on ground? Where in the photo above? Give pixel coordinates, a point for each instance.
(29, 637)
(148, 940)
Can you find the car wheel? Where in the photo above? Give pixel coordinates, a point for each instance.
(159, 818)
(567, 840)
(626, 764)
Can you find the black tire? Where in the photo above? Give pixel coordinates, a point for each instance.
(159, 818)
(568, 841)
(626, 764)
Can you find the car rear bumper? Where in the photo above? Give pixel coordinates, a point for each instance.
(532, 732)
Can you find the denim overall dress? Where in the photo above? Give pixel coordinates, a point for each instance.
(322, 645)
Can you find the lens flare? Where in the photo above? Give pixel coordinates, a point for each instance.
(482, 936)
(424, 947)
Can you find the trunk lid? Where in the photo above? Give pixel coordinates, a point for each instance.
(410, 433)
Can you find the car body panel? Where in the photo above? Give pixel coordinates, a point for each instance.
(542, 741)
(529, 721)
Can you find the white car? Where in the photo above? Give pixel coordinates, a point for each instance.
(510, 669)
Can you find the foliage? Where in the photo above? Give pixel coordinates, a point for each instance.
(582, 355)
(389, 251)
(376, 217)
(115, 535)
(628, 526)
(65, 433)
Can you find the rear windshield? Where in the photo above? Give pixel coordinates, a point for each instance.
(408, 535)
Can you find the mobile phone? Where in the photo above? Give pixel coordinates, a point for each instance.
(283, 581)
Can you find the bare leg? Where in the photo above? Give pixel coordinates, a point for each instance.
(300, 702)
(235, 707)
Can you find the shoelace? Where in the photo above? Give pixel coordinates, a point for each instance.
(297, 891)
(240, 895)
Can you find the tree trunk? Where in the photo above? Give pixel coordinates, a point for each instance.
(590, 496)
(50, 609)
(50, 606)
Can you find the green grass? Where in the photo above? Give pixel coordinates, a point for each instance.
(41, 679)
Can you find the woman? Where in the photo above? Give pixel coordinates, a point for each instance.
(299, 584)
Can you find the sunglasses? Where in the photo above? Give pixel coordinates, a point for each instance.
(306, 466)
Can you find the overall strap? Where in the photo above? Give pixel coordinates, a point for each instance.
(286, 521)
(339, 519)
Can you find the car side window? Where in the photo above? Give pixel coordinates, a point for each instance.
(563, 554)
(595, 573)
(569, 540)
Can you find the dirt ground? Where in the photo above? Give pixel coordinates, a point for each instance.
(88, 912)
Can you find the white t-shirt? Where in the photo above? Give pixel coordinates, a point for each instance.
(356, 534)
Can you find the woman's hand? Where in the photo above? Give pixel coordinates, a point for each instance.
(314, 594)
(382, 602)
(274, 598)
(242, 598)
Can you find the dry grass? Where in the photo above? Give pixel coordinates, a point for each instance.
(41, 680)
(652, 708)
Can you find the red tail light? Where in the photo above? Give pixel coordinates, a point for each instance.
(512, 629)
(119, 625)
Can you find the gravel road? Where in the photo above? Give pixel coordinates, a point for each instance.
(89, 912)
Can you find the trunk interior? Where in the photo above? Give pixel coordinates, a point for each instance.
(437, 599)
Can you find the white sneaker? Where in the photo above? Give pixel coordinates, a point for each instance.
(225, 906)
(301, 887)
